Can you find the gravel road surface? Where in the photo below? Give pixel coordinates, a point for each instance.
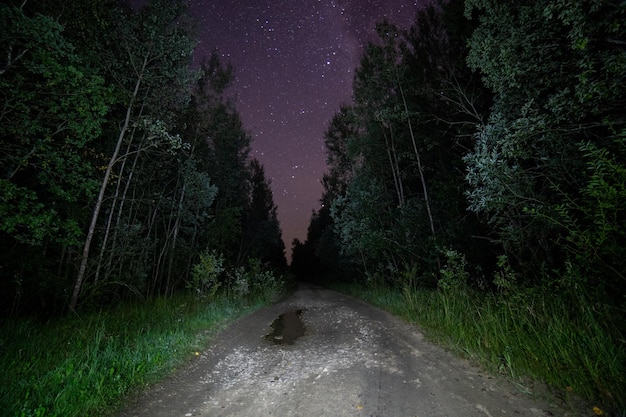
(353, 360)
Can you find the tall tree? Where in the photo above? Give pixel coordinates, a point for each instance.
(153, 75)
(417, 106)
(262, 236)
(53, 108)
(557, 72)
(224, 146)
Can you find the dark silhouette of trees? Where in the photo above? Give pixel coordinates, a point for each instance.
(492, 129)
(120, 164)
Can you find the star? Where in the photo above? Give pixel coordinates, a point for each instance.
(294, 67)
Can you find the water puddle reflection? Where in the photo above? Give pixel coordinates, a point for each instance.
(286, 328)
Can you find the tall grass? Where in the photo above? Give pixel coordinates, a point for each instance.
(538, 335)
(83, 366)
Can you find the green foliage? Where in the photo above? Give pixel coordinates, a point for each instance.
(595, 223)
(505, 279)
(394, 189)
(205, 275)
(65, 85)
(240, 283)
(530, 338)
(454, 274)
(558, 81)
(200, 194)
(525, 173)
(158, 135)
(53, 107)
(262, 239)
(261, 279)
(226, 230)
(254, 281)
(210, 279)
(359, 220)
(154, 46)
(89, 365)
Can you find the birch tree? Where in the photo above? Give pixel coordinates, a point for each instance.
(157, 48)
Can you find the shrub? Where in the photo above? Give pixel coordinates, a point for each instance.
(205, 275)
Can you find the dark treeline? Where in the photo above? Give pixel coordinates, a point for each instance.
(491, 134)
(120, 164)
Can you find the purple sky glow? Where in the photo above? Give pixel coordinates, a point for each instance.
(294, 62)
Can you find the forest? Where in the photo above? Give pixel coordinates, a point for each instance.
(126, 171)
(480, 173)
(476, 185)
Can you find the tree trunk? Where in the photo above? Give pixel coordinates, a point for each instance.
(110, 219)
(175, 237)
(421, 170)
(419, 162)
(120, 210)
(393, 162)
(96, 211)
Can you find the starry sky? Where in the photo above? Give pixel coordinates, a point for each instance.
(294, 63)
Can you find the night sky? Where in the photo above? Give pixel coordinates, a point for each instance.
(294, 63)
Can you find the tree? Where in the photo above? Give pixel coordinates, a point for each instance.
(262, 238)
(223, 145)
(557, 72)
(595, 223)
(110, 139)
(341, 130)
(416, 106)
(54, 105)
(302, 265)
(158, 49)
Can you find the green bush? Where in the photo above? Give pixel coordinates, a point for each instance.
(205, 276)
(263, 280)
(453, 274)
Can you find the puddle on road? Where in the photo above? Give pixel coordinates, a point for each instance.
(286, 328)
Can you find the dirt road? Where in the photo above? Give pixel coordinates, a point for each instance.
(353, 360)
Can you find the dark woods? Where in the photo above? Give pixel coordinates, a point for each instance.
(120, 164)
(488, 139)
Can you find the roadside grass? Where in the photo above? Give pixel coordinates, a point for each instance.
(535, 337)
(85, 366)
